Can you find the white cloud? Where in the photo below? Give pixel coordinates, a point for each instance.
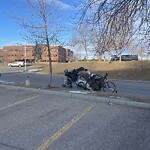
(64, 5)
(61, 4)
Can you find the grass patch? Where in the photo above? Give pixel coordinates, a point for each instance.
(134, 70)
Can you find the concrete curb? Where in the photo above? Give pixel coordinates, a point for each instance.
(140, 81)
(12, 72)
(109, 100)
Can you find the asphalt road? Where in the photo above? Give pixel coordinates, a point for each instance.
(134, 88)
(31, 121)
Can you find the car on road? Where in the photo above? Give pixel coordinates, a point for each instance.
(124, 57)
(16, 64)
(129, 57)
(114, 58)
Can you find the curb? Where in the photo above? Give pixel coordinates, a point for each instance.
(12, 72)
(109, 100)
(140, 81)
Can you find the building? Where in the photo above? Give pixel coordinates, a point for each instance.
(1, 56)
(69, 55)
(13, 53)
(58, 54)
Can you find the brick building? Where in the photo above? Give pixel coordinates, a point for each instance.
(58, 54)
(12, 53)
(69, 55)
(1, 55)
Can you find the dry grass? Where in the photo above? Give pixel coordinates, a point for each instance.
(135, 70)
(3, 65)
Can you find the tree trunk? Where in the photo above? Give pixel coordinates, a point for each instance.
(50, 65)
(49, 57)
(49, 51)
(86, 52)
(100, 56)
(120, 55)
(108, 55)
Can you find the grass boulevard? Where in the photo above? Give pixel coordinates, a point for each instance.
(133, 70)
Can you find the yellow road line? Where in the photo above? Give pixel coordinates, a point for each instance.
(52, 139)
(14, 104)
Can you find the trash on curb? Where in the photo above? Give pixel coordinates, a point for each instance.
(5, 82)
(78, 92)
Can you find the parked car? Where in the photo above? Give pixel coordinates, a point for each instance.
(114, 58)
(16, 64)
(129, 57)
(124, 57)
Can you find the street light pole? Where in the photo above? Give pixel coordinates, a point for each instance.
(25, 55)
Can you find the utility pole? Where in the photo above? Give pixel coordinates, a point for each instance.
(25, 55)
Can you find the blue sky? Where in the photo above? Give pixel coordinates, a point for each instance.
(9, 29)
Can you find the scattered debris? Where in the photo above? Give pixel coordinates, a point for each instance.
(79, 92)
(5, 82)
(34, 70)
(117, 97)
(109, 103)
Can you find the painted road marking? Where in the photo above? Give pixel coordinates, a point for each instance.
(17, 103)
(52, 139)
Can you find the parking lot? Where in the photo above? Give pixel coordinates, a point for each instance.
(35, 120)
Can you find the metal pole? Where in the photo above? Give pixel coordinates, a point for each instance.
(25, 56)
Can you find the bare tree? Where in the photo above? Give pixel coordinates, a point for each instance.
(96, 42)
(81, 38)
(140, 45)
(119, 19)
(41, 24)
(143, 48)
